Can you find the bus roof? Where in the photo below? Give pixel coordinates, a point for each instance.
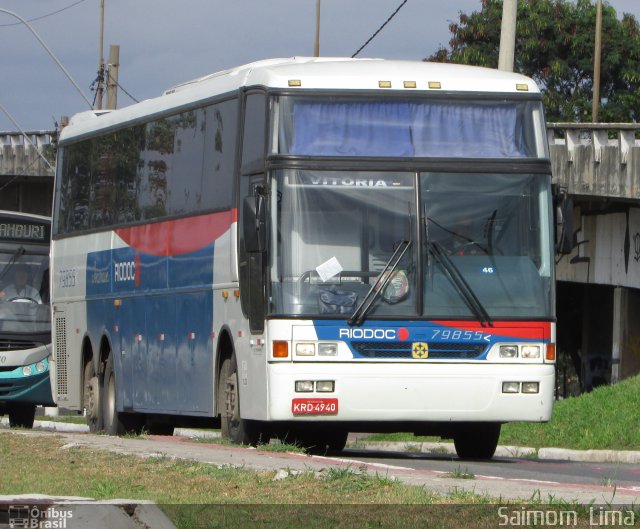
(304, 73)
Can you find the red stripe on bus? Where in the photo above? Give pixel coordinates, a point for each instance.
(177, 237)
(533, 330)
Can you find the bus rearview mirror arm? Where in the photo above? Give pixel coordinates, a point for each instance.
(254, 224)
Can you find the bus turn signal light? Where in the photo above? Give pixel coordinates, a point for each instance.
(551, 352)
(280, 349)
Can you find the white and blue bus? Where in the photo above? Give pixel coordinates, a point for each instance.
(25, 316)
(304, 248)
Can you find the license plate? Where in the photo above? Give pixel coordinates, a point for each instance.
(314, 406)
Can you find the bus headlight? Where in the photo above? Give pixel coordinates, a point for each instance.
(327, 349)
(530, 351)
(26, 371)
(305, 349)
(508, 351)
(41, 367)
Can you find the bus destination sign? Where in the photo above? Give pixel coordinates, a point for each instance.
(14, 230)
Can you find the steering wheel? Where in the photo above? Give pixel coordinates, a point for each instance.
(24, 299)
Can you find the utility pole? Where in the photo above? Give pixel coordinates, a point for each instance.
(99, 90)
(112, 76)
(508, 35)
(597, 57)
(316, 47)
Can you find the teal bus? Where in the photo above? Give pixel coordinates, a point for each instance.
(25, 316)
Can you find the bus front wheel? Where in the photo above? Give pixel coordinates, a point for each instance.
(477, 440)
(233, 427)
(22, 415)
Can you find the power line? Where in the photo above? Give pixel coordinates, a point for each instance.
(121, 87)
(44, 16)
(380, 28)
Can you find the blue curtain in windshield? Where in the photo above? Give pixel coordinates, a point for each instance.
(407, 129)
(352, 129)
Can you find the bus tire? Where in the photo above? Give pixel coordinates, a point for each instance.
(22, 415)
(92, 401)
(477, 440)
(116, 423)
(233, 427)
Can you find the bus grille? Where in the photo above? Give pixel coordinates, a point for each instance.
(16, 345)
(61, 355)
(437, 350)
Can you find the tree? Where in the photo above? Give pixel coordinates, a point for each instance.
(555, 46)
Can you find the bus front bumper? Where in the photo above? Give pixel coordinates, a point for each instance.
(16, 386)
(416, 392)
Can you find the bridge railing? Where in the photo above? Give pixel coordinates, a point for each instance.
(599, 159)
(19, 153)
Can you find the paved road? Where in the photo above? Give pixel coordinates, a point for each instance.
(504, 477)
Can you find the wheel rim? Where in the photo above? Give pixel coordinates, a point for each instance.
(231, 398)
(91, 404)
(111, 399)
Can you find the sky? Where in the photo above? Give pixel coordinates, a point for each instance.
(163, 43)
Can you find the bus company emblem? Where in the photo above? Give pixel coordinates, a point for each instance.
(128, 271)
(420, 350)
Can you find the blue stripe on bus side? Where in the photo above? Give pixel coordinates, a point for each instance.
(161, 330)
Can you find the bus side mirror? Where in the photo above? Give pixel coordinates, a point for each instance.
(563, 216)
(254, 224)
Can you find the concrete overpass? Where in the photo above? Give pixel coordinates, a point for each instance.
(26, 181)
(598, 301)
(599, 282)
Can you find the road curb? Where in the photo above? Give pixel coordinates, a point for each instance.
(631, 457)
(527, 452)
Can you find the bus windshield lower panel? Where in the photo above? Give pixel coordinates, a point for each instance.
(334, 234)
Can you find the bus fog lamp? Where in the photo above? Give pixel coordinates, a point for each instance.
(304, 386)
(530, 351)
(511, 387)
(508, 351)
(26, 371)
(41, 367)
(530, 387)
(327, 349)
(305, 349)
(325, 386)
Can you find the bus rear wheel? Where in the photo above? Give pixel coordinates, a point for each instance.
(233, 427)
(477, 440)
(22, 415)
(92, 403)
(115, 422)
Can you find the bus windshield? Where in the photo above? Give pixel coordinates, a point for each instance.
(334, 233)
(24, 289)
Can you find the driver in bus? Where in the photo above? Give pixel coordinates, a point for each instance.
(20, 289)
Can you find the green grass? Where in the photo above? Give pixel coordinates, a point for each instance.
(605, 419)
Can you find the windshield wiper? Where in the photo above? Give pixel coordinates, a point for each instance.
(378, 287)
(18, 253)
(460, 283)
